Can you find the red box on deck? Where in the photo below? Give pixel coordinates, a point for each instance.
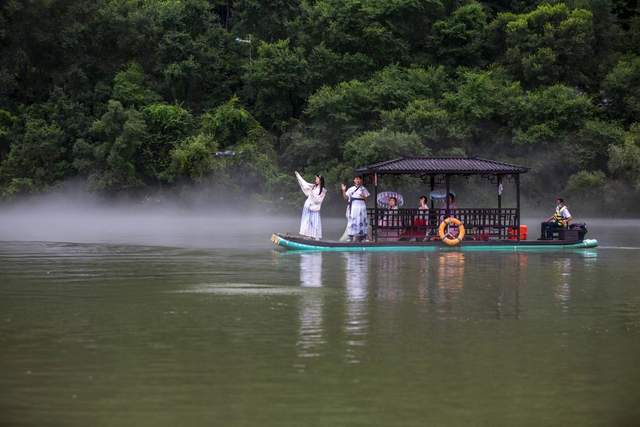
(512, 233)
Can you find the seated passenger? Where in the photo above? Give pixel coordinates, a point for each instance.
(419, 229)
(393, 203)
(422, 203)
(453, 207)
(452, 202)
(423, 212)
(559, 220)
(390, 218)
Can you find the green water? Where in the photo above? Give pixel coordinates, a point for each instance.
(121, 334)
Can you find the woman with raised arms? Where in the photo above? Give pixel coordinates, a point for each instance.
(310, 224)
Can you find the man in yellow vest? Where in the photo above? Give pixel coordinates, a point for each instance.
(560, 219)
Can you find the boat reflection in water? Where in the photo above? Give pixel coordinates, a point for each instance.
(311, 333)
(388, 278)
(562, 268)
(440, 277)
(387, 289)
(448, 282)
(445, 279)
(357, 292)
(568, 271)
(511, 276)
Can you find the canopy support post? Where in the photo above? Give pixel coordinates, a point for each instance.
(501, 235)
(517, 177)
(374, 226)
(447, 180)
(499, 192)
(432, 181)
(432, 220)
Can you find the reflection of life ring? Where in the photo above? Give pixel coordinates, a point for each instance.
(447, 237)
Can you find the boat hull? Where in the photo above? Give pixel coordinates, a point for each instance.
(296, 243)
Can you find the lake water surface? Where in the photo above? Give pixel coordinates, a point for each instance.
(197, 321)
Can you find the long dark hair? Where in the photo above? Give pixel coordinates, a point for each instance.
(321, 183)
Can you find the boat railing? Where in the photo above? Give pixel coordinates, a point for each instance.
(418, 224)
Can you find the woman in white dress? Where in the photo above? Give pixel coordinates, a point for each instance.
(310, 224)
(356, 197)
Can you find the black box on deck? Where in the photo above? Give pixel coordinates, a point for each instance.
(569, 235)
(581, 228)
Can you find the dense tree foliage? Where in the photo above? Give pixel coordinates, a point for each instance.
(140, 95)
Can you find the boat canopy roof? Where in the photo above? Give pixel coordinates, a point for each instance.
(442, 166)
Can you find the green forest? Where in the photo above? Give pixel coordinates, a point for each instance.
(137, 96)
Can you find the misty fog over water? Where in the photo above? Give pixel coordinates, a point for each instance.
(140, 226)
(73, 220)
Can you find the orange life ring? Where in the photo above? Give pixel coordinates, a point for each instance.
(447, 237)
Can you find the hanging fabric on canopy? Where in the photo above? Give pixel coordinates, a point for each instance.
(440, 195)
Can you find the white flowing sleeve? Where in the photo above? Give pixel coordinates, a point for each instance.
(318, 198)
(364, 192)
(349, 192)
(304, 185)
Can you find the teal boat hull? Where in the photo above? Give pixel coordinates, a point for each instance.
(295, 243)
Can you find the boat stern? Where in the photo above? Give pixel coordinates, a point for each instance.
(589, 243)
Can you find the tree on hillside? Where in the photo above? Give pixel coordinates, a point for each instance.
(548, 45)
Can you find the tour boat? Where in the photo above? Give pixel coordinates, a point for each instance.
(446, 227)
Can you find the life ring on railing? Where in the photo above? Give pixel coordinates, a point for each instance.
(448, 238)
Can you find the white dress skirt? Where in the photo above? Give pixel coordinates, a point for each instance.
(310, 224)
(357, 224)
